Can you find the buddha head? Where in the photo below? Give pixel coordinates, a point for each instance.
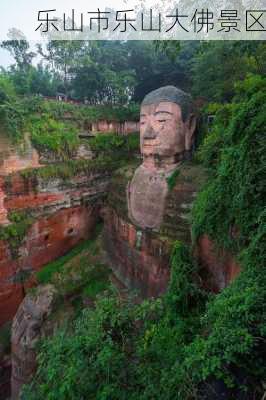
(167, 126)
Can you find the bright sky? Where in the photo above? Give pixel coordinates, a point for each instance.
(22, 15)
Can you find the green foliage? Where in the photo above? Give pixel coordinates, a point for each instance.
(11, 112)
(237, 161)
(113, 144)
(173, 345)
(223, 64)
(15, 232)
(230, 211)
(68, 169)
(97, 281)
(55, 136)
(45, 274)
(118, 350)
(182, 289)
(132, 140)
(19, 49)
(107, 143)
(122, 351)
(171, 180)
(7, 90)
(235, 321)
(91, 113)
(53, 126)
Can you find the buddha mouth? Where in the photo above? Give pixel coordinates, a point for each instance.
(148, 143)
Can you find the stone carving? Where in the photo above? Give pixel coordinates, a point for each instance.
(167, 126)
(27, 329)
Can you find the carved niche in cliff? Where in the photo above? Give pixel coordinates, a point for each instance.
(167, 126)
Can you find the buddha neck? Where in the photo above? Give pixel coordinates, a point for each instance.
(159, 164)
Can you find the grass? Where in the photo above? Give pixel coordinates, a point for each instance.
(79, 276)
(97, 281)
(46, 273)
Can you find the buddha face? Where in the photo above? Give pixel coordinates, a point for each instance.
(163, 133)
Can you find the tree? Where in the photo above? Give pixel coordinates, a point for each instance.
(19, 49)
(62, 56)
(42, 81)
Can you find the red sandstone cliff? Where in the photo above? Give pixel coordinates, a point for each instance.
(63, 213)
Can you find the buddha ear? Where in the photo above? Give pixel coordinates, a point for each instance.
(190, 131)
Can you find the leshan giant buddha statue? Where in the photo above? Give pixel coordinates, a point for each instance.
(167, 127)
(145, 214)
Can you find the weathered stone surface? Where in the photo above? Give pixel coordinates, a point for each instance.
(30, 324)
(147, 192)
(124, 128)
(140, 257)
(219, 267)
(64, 212)
(83, 153)
(167, 127)
(15, 158)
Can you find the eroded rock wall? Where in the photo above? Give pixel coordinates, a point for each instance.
(63, 213)
(123, 128)
(17, 157)
(140, 257)
(219, 267)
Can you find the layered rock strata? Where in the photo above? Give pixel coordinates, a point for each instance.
(63, 213)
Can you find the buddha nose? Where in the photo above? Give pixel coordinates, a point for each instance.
(149, 133)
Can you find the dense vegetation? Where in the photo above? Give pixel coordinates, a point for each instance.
(53, 125)
(113, 72)
(80, 275)
(15, 232)
(102, 72)
(188, 343)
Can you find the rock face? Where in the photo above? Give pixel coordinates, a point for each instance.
(30, 324)
(123, 128)
(63, 213)
(219, 267)
(140, 256)
(147, 193)
(14, 159)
